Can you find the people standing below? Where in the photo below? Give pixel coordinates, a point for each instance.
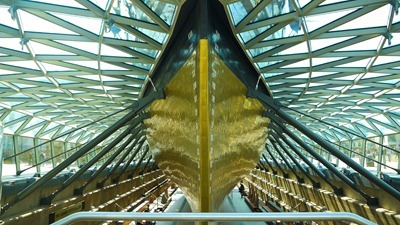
(30, 160)
(241, 189)
(42, 158)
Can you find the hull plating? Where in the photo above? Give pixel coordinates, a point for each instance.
(206, 135)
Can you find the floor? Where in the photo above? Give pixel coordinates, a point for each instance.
(232, 203)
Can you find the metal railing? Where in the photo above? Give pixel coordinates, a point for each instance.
(284, 216)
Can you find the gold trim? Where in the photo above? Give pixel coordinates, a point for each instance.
(204, 129)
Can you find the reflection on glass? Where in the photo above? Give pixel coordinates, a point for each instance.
(44, 156)
(392, 156)
(164, 10)
(58, 151)
(9, 167)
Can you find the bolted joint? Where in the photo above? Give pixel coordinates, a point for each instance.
(316, 185)
(13, 11)
(373, 201)
(388, 36)
(23, 42)
(108, 24)
(266, 100)
(395, 5)
(100, 185)
(78, 191)
(115, 180)
(46, 200)
(338, 191)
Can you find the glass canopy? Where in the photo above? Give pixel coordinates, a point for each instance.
(65, 64)
(328, 61)
(68, 63)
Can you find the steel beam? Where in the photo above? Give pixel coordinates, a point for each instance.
(261, 165)
(138, 106)
(47, 200)
(277, 108)
(79, 191)
(126, 165)
(69, 132)
(139, 162)
(146, 164)
(314, 183)
(328, 165)
(299, 179)
(285, 175)
(153, 165)
(336, 190)
(270, 166)
(101, 183)
(109, 160)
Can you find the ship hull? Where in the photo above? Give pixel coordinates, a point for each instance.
(206, 135)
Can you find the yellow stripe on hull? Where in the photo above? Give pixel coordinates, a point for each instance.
(204, 131)
(206, 135)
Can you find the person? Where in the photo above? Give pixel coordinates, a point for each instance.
(42, 156)
(30, 160)
(241, 189)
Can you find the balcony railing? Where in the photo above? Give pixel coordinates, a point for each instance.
(284, 216)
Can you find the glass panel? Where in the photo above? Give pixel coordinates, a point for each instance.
(27, 161)
(164, 10)
(376, 18)
(94, 152)
(372, 152)
(275, 8)
(44, 152)
(240, 9)
(9, 167)
(58, 152)
(36, 24)
(28, 158)
(88, 23)
(5, 17)
(64, 3)
(127, 9)
(357, 147)
(346, 148)
(392, 156)
(248, 35)
(370, 44)
(101, 3)
(71, 148)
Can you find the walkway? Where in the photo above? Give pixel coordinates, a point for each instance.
(232, 203)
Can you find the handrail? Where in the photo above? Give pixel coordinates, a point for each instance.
(283, 216)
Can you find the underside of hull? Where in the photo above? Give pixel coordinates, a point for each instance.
(194, 133)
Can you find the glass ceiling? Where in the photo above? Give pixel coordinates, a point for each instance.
(336, 61)
(64, 64)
